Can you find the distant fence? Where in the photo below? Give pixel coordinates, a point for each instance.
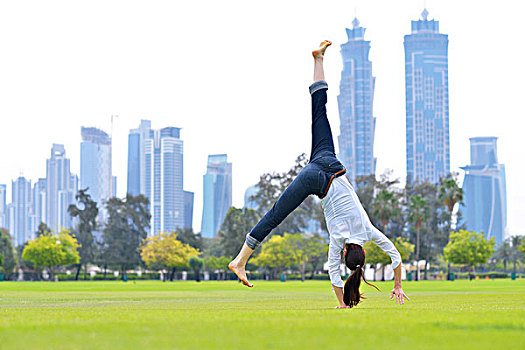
(229, 276)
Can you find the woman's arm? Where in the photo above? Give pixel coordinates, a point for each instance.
(334, 269)
(388, 247)
(339, 294)
(398, 291)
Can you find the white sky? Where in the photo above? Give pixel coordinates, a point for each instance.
(234, 75)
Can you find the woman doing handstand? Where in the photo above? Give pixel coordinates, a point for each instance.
(347, 221)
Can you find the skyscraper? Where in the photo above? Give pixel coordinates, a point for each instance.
(164, 179)
(60, 190)
(217, 194)
(95, 166)
(188, 209)
(3, 206)
(357, 122)
(21, 208)
(427, 116)
(248, 194)
(137, 158)
(38, 204)
(113, 186)
(485, 196)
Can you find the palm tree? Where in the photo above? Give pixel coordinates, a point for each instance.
(418, 213)
(450, 194)
(385, 207)
(517, 250)
(504, 252)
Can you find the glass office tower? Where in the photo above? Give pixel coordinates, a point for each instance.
(357, 123)
(95, 166)
(60, 190)
(484, 190)
(427, 111)
(217, 193)
(164, 179)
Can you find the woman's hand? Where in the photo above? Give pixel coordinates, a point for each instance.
(398, 292)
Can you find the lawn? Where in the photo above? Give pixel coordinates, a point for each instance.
(483, 314)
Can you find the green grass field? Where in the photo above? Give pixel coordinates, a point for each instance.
(273, 315)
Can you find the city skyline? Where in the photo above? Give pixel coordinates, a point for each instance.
(144, 83)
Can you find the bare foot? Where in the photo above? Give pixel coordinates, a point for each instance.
(319, 53)
(240, 272)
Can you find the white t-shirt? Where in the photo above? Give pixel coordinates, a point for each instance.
(348, 222)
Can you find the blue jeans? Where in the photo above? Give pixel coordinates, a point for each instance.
(315, 178)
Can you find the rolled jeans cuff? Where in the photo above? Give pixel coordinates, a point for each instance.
(252, 242)
(318, 85)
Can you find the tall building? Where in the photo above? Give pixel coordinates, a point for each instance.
(3, 206)
(357, 122)
(427, 112)
(137, 158)
(248, 194)
(188, 209)
(38, 204)
(217, 194)
(113, 186)
(95, 166)
(60, 189)
(164, 179)
(20, 211)
(484, 190)
(155, 169)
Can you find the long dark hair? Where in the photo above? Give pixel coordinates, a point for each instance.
(355, 261)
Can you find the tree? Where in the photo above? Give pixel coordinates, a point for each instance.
(385, 206)
(366, 188)
(417, 215)
(302, 248)
(450, 193)
(165, 251)
(186, 235)
(376, 255)
(468, 248)
(518, 250)
(87, 213)
(318, 253)
(217, 263)
(274, 256)
(52, 251)
(8, 251)
(1, 259)
(196, 264)
(272, 185)
(42, 229)
(404, 247)
(504, 252)
(435, 231)
(521, 247)
(125, 230)
(236, 224)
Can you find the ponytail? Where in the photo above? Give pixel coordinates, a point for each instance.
(354, 260)
(351, 295)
